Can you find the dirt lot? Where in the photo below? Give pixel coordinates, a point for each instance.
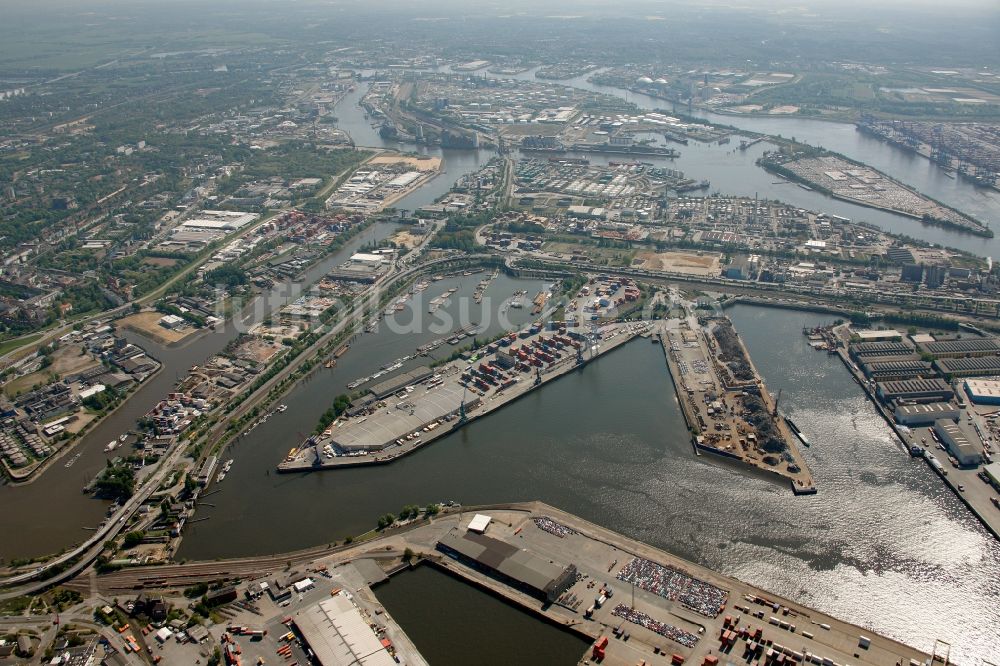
(605, 255)
(406, 239)
(146, 324)
(418, 163)
(83, 417)
(66, 360)
(258, 350)
(690, 263)
(160, 261)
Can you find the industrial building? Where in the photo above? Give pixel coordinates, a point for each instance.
(362, 267)
(863, 349)
(407, 418)
(882, 370)
(393, 384)
(206, 470)
(871, 335)
(993, 473)
(969, 366)
(225, 220)
(962, 347)
(959, 443)
(922, 414)
(983, 391)
(339, 635)
(915, 389)
(518, 568)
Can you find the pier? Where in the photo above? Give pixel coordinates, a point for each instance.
(715, 403)
(633, 602)
(406, 417)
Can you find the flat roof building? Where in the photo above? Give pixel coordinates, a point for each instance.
(993, 473)
(962, 347)
(983, 391)
(961, 443)
(518, 568)
(926, 413)
(479, 523)
(393, 384)
(969, 366)
(871, 335)
(915, 389)
(226, 220)
(880, 349)
(885, 370)
(339, 635)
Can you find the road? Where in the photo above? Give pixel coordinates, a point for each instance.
(88, 551)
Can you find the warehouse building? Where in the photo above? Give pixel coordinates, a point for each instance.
(962, 347)
(863, 349)
(885, 370)
(339, 635)
(518, 568)
(969, 366)
(206, 470)
(927, 390)
(225, 220)
(393, 384)
(927, 413)
(870, 335)
(983, 391)
(961, 443)
(993, 473)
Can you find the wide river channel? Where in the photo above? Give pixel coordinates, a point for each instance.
(883, 544)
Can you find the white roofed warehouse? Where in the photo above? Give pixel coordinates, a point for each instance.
(339, 635)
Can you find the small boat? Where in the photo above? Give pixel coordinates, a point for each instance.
(123, 437)
(282, 408)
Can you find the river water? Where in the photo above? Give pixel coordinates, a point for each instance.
(741, 176)
(52, 513)
(608, 443)
(883, 544)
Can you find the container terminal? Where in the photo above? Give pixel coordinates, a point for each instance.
(633, 603)
(409, 410)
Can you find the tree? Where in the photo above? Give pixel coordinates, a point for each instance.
(407, 555)
(134, 538)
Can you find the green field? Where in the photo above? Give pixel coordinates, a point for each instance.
(11, 345)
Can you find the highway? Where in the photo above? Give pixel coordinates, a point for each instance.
(88, 551)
